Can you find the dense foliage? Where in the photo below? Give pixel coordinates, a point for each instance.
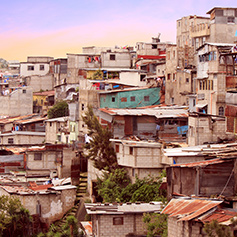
(214, 229)
(156, 224)
(117, 187)
(99, 149)
(15, 220)
(69, 229)
(60, 109)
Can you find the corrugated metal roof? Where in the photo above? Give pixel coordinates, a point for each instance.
(125, 89)
(87, 225)
(16, 150)
(45, 93)
(18, 189)
(26, 133)
(15, 118)
(31, 120)
(157, 111)
(59, 119)
(188, 209)
(201, 163)
(95, 208)
(63, 187)
(221, 215)
(11, 158)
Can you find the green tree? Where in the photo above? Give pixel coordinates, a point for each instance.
(15, 220)
(112, 184)
(116, 186)
(60, 109)
(156, 224)
(69, 229)
(214, 229)
(100, 149)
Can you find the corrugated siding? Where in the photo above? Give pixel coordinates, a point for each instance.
(231, 82)
(123, 98)
(212, 183)
(230, 124)
(231, 111)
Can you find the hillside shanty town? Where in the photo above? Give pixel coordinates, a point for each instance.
(124, 141)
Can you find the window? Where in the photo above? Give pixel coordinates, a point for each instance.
(154, 46)
(197, 43)
(24, 91)
(187, 80)
(211, 85)
(172, 100)
(146, 98)
(204, 85)
(200, 85)
(214, 55)
(50, 124)
(168, 76)
(59, 138)
(31, 68)
(117, 220)
(112, 57)
(42, 102)
(10, 140)
(173, 76)
(124, 99)
(82, 106)
(38, 156)
(130, 150)
(203, 40)
(113, 99)
(41, 67)
(194, 102)
(117, 148)
(142, 77)
(221, 111)
(230, 19)
(132, 98)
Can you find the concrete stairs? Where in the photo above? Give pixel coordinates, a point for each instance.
(82, 187)
(78, 210)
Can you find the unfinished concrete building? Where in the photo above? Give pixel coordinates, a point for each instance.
(180, 62)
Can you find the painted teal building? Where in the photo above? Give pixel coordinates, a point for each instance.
(130, 98)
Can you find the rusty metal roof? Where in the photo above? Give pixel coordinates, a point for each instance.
(17, 189)
(16, 150)
(187, 209)
(31, 120)
(221, 215)
(15, 118)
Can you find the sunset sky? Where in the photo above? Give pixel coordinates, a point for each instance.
(57, 27)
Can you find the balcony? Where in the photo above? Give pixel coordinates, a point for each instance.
(199, 30)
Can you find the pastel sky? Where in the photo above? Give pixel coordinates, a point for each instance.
(57, 27)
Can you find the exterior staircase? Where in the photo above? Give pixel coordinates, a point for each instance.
(82, 187)
(78, 209)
